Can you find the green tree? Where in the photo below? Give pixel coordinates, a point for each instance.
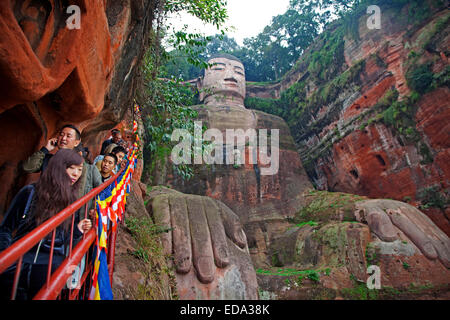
(266, 56)
(220, 44)
(165, 99)
(324, 11)
(179, 65)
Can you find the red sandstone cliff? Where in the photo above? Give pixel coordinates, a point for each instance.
(52, 75)
(380, 125)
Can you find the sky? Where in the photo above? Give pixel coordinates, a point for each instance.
(248, 17)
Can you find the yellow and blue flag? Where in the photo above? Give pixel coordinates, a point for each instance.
(110, 207)
(101, 286)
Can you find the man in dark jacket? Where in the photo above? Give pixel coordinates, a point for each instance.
(116, 138)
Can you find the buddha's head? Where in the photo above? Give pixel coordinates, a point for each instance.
(223, 82)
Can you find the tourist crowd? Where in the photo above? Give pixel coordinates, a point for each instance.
(66, 175)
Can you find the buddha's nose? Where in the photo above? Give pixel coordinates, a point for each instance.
(229, 75)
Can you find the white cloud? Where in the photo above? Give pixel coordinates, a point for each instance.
(251, 16)
(248, 17)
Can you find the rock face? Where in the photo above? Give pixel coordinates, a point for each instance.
(52, 75)
(262, 202)
(328, 257)
(140, 277)
(209, 247)
(375, 120)
(205, 238)
(363, 123)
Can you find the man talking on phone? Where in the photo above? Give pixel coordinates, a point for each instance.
(69, 137)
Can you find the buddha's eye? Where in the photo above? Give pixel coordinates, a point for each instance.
(218, 67)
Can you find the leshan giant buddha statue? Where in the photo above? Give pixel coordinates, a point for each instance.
(263, 202)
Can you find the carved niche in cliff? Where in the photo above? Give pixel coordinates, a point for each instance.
(52, 75)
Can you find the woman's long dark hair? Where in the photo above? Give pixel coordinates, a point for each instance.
(54, 190)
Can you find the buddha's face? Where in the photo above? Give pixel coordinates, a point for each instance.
(226, 77)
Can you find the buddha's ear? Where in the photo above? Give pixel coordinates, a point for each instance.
(200, 88)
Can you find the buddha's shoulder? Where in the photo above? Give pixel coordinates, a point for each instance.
(203, 108)
(209, 110)
(264, 116)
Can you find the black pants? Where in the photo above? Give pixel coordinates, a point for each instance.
(33, 276)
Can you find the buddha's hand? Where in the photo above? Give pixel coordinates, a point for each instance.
(197, 232)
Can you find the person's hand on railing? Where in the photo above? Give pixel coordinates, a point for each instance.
(84, 225)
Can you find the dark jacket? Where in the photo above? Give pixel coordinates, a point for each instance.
(20, 220)
(16, 217)
(105, 145)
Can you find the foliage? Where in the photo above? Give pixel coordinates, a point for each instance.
(271, 106)
(144, 230)
(438, 27)
(324, 24)
(274, 51)
(431, 197)
(150, 252)
(322, 206)
(324, 11)
(313, 275)
(442, 79)
(297, 108)
(164, 110)
(165, 99)
(208, 11)
(427, 156)
(325, 62)
(270, 54)
(360, 292)
(182, 63)
(400, 115)
(309, 223)
(371, 255)
(419, 78)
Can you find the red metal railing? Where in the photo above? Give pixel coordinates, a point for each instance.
(53, 288)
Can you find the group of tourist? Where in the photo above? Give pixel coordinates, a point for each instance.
(66, 175)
